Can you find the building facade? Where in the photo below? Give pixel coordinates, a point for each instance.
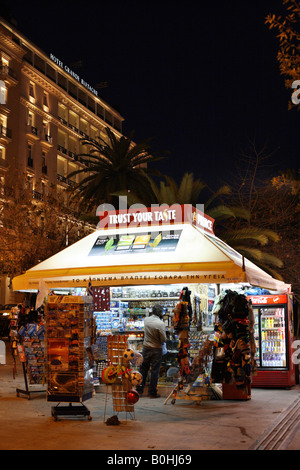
(45, 111)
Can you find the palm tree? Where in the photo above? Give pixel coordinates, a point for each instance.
(250, 241)
(114, 166)
(232, 222)
(169, 192)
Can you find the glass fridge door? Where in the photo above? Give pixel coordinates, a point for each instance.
(273, 337)
(256, 336)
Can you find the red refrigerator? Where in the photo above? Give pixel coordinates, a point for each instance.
(274, 336)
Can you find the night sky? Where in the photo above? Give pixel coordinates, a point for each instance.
(199, 78)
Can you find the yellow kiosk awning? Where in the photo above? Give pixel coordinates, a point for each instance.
(168, 254)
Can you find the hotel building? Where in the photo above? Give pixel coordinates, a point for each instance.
(45, 110)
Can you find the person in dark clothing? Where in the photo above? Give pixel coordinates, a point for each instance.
(154, 338)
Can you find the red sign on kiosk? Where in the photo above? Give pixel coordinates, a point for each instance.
(268, 299)
(153, 216)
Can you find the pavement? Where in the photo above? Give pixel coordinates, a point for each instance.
(27, 424)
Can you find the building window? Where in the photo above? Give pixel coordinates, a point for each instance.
(72, 90)
(118, 125)
(91, 104)
(84, 129)
(2, 152)
(30, 183)
(45, 101)
(28, 56)
(82, 97)
(50, 72)
(30, 118)
(62, 81)
(93, 133)
(100, 111)
(62, 141)
(62, 113)
(31, 92)
(61, 168)
(109, 118)
(29, 156)
(44, 189)
(44, 163)
(2, 184)
(39, 63)
(31, 123)
(73, 147)
(5, 64)
(3, 92)
(73, 121)
(46, 128)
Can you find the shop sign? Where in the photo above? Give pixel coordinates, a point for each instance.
(143, 216)
(268, 299)
(153, 278)
(137, 278)
(73, 74)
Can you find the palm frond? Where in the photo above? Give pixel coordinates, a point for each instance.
(222, 191)
(257, 234)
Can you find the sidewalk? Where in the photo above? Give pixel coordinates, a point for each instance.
(186, 426)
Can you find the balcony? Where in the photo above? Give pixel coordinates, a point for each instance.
(62, 120)
(47, 140)
(74, 128)
(73, 155)
(32, 132)
(3, 163)
(5, 134)
(86, 136)
(64, 179)
(38, 196)
(8, 75)
(71, 183)
(62, 149)
(84, 162)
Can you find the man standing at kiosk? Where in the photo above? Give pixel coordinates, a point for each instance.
(154, 338)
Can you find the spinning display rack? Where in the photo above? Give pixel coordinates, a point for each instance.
(69, 327)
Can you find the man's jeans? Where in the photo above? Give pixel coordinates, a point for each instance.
(152, 358)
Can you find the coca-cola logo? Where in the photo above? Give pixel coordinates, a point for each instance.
(260, 300)
(268, 299)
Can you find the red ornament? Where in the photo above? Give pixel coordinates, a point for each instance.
(132, 397)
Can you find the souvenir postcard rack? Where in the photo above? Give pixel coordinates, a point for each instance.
(32, 356)
(69, 332)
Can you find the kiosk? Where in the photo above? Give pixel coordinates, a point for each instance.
(133, 251)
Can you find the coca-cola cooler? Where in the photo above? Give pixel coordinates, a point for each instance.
(274, 334)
